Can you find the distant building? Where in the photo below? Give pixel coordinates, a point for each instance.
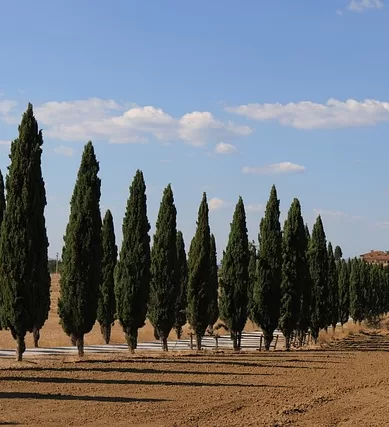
(376, 257)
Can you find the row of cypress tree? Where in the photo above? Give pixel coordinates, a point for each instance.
(294, 280)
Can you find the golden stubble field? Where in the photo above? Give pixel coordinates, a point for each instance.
(344, 382)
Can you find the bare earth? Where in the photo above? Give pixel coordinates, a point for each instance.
(346, 383)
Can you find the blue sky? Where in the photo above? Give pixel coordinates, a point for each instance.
(225, 97)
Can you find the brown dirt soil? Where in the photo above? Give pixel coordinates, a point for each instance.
(300, 388)
(52, 334)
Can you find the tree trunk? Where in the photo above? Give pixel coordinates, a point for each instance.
(131, 340)
(198, 341)
(20, 348)
(239, 339)
(234, 341)
(73, 339)
(301, 338)
(156, 335)
(164, 344)
(106, 332)
(36, 335)
(268, 336)
(80, 345)
(333, 328)
(179, 332)
(287, 342)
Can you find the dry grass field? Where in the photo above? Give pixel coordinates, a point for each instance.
(344, 382)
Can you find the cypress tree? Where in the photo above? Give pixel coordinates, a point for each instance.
(344, 292)
(318, 263)
(267, 288)
(198, 275)
(294, 267)
(132, 284)
(333, 294)
(106, 307)
(338, 253)
(24, 275)
(252, 277)
(164, 286)
(182, 271)
(235, 276)
(304, 317)
(81, 254)
(213, 285)
(2, 199)
(356, 289)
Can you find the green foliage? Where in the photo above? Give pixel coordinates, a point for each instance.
(252, 278)
(213, 284)
(267, 294)
(106, 307)
(356, 290)
(318, 266)
(338, 253)
(164, 286)
(198, 270)
(343, 292)
(333, 294)
(132, 284)
(24, 276)
(2, 199)
(304, 318)
(81, 254)
(182, 271)
(294, 270)
(235, 276)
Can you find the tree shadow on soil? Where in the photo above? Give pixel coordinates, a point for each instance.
(58, 396)
(64, 380)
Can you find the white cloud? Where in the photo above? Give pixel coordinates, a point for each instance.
(100, 119)
(216, 204)
(6, 107)
(257, 207)
(275, 168)
(4, 142)
(311, 115)
(224, 148)
(64, 151)
(339, 12)
(383, 224)
(361, 5)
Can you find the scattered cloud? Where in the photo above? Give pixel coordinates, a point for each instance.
(311, 115)
(362, 5)
(224, 148)
(165, 161)
(339, 12)
(216, 204)
(257, 207)
(383, 224)
(275, 168)
(4, 142)
(64, 151)
(6, 107)
(100, 119)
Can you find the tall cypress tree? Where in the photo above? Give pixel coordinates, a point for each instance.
(294, 268)
(213, 285)
(2, 198)
(182, 271)
(338, 253)
(343, 292)
(252, 277)
(132, 284)
(356, 290)
(198, 278)
(235, 276)
(304, 318)
(164, 285)
(24, 275)
(81, 254)
(106, 305)
(333, 294)
(267, 288)
(318, 263)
